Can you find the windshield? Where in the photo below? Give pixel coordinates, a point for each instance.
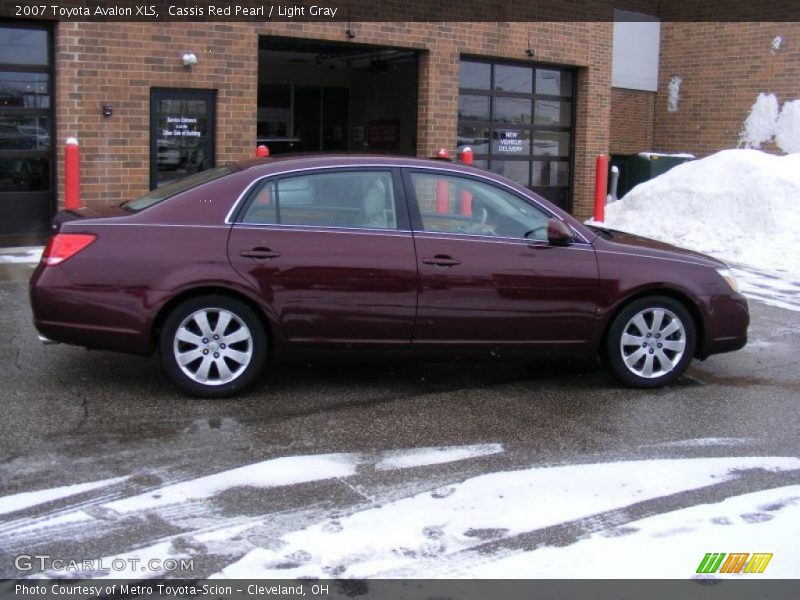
(601, 231)
(176, 187)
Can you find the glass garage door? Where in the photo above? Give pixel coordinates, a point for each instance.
(519, 121)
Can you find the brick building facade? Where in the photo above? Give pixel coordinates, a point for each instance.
(118, 65)
(97, 64)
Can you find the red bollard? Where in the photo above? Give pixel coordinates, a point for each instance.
(442, 196)
(262, 151)
(467, 157)
(72, 174)
(466, 203)
(600, 188)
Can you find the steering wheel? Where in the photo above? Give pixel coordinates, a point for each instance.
(478, 224)
(534, 230)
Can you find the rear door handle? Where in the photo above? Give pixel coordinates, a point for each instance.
(262, 253)
(440, 260)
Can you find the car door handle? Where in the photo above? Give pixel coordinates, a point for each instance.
(263, 253)
(440, 260)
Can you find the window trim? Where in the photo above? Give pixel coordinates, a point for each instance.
(242, 205)
(417, 223)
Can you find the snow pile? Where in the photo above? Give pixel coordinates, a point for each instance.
(787, 127)
(766, 123)
(759, 126)
(742, 206)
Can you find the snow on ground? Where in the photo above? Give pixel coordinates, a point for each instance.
(404, 459)
(672, 545)
(433, 534)
(25, 255)
(742, 206)
(9, 504)
(278, 472)
(545, 522)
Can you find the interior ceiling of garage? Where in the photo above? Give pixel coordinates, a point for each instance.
(332, 54)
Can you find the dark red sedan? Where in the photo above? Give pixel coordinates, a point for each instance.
(361, 255)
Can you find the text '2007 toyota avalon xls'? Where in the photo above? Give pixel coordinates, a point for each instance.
(315, 256)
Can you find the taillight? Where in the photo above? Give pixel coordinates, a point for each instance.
(64, 245)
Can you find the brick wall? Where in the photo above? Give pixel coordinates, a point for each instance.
(631, 121)
(723, 67)
(118, 64)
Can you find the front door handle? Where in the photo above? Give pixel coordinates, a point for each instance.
(262, 253)
(441, 260)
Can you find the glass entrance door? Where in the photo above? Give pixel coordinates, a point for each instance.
(26, 132)
(182, 133)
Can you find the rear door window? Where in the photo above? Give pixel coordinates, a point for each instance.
(349, 199)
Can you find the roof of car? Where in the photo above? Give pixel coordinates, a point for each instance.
(285, 162)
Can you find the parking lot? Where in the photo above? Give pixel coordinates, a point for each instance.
(70, 417)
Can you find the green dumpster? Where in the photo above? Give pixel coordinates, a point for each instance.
(636, 168)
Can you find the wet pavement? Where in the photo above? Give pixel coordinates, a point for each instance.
(70, 416)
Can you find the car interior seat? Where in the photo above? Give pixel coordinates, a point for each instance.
(373, 210)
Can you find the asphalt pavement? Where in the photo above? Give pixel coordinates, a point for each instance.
(69, 416)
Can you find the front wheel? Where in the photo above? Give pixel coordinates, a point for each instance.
(213, 346)
(651, 342)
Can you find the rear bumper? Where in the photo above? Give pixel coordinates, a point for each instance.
(726, 325)
(98, 318)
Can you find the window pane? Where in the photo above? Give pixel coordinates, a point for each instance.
(555, 83)
(551, 143)
(24, 174)
(511, 142)
(512, 110)
(183, 129)
(553, 112)
(474, 75)
(476, 138)
(18, 132)
(550, 172)
(460, 205)
(363, 199)
(23, 46)
(262, 208)
(475, 108)
(516, 170)
(513, 79)
(557, 195)
(29, 90)
(275, 96)
(166, 192)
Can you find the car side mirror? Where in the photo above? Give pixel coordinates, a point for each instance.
(559, 233)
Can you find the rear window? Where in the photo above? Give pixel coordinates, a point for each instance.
(166, 192)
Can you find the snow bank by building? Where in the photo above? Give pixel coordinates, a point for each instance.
(742, 206)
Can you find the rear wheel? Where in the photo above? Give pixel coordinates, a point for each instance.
(651, 342)
(213, 346)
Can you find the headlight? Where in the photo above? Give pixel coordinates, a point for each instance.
(729, 277)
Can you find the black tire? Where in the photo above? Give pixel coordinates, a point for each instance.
(661, 355)
(217, 369)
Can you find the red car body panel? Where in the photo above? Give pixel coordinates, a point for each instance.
(338, 288)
